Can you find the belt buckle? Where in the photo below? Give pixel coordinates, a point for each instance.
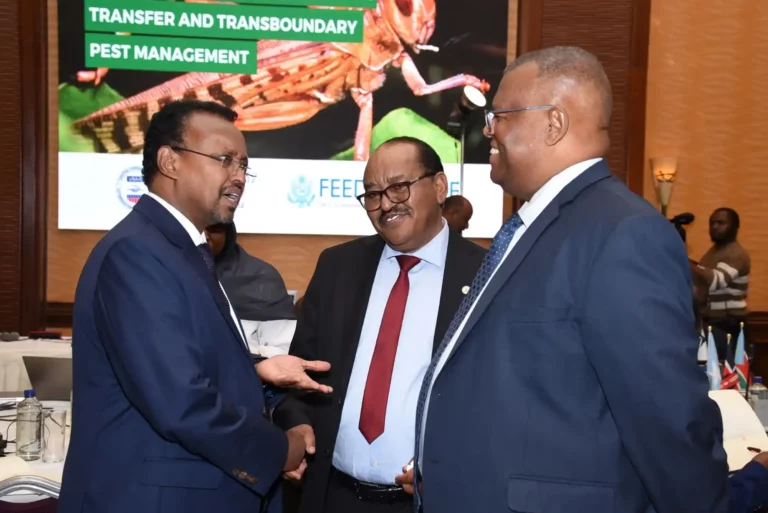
(384, 494)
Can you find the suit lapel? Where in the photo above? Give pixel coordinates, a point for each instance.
(193, 257)
(355, 301)
(523, 246)
(457, 275)
(507, 268)
(177, 235)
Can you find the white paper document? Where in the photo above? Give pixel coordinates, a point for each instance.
(742, 430)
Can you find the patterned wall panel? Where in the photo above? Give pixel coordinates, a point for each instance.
(604, 28)
(10, 178)
(708, 69)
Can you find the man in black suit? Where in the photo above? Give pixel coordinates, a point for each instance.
(376, 308)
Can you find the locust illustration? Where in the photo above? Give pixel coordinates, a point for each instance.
(294, 81)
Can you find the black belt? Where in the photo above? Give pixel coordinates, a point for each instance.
(370, 492)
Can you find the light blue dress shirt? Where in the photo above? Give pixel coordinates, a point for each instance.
(384, 459)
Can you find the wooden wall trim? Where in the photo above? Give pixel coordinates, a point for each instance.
(758, 327)
(542, 24)
(530, 31)
(637, 95)
(33, 52)
(58, 315)
(10, 178)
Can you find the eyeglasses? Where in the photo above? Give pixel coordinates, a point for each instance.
(227, 161)
(396, 193)
(490, 115)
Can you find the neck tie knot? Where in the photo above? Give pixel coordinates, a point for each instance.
(407, 262)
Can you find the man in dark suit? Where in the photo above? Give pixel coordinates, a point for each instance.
(570, 380)
(171, 415)
(376, 308)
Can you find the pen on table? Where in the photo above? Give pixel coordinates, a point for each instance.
(754, 449)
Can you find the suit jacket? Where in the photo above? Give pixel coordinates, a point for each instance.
(749, 489)
(576, 373)
(170, 412)
(329, 326)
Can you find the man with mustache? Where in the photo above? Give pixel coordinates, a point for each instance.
(171, 415)
(570, 380)
(376, 308)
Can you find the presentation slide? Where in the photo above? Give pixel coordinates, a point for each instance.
(317, 85)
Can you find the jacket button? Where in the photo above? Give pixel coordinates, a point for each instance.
(327, 453)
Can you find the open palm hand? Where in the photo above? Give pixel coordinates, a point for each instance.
(287, 371)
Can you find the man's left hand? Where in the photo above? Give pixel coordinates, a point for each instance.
(762, 459)
(288, 371)
(406, 479)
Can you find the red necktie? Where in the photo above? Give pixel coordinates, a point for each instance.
(374, 409)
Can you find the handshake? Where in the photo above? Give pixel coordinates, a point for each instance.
(301, 443)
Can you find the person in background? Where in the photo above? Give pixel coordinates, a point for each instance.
(376, 308)
(700, 305)
(457, 210)
(748, 486)
(257, 292)
(726, 268)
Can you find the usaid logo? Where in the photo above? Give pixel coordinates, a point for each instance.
(130, 186)
(301, 194)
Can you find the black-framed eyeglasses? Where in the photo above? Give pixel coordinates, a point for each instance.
(396, 193)
(227, 161)
(490, 115)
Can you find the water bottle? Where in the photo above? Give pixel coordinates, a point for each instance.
(758, 390)
(29, 419)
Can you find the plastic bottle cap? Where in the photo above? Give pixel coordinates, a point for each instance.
(29, 393)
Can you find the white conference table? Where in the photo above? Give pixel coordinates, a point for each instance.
(12, 466)
(14, 378)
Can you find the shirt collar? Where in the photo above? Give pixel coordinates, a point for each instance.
(197, 237)
(433, 252)
(531, 209)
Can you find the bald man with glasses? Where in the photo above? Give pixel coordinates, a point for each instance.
(376, 309)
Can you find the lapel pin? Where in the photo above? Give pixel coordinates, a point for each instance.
(465, 289)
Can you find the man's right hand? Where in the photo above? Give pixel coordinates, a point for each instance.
(301, 441)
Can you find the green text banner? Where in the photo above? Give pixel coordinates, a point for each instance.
(169, 54)
(223, 21)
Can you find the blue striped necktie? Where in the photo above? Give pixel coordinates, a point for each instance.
(490, 262)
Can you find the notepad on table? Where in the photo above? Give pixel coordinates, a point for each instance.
(742, 430)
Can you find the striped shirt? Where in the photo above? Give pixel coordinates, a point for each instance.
(727, 270)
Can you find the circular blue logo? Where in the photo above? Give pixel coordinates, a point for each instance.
(130, 186)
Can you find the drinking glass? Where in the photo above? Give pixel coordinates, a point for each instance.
(54, 435)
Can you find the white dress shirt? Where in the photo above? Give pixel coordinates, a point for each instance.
(198, 238)
(528, 214)
(382, 460)
(270, 338)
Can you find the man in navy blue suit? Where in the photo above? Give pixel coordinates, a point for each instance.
(171, 415)
(568, 379)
